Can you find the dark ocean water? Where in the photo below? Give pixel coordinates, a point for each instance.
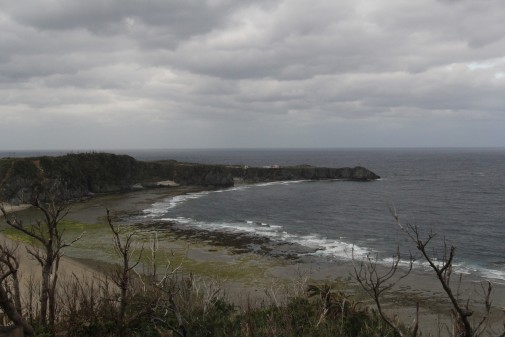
(457, 193)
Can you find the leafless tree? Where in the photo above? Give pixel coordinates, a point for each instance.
(124, 245)
(461, 312)
(10, 298)
(49, 243)
(9, 264)
(376, 281)
(170, 285)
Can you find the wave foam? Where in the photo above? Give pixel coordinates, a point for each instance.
(329, 248)
(274, 183)
(497, 275)
(458, 268)
(159, 208)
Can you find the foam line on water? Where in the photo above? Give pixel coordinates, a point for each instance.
(324, 247)
(159, 208)
(458, 268)
(274, 183)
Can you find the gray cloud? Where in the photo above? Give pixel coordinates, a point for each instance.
(221, 73)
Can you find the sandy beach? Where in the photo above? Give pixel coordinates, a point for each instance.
(29, 267)
(244, 274)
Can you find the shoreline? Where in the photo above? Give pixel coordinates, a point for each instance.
(248, 272)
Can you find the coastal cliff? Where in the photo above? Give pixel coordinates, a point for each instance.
(263, 174)
(74, 176)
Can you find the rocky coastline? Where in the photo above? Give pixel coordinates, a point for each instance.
(77, 176)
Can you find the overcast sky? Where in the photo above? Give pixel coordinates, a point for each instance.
(122, 74)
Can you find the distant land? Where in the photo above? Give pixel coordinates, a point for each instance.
(79, 175)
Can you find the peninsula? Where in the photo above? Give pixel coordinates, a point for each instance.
(76, 176)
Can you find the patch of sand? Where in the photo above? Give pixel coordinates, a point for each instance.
(30, 268)
(10, 208)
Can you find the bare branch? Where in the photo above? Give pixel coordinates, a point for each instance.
(461, 312)
(48, 237)
(125, 248)
(375, 284)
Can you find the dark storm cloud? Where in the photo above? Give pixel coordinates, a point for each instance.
(130, 73)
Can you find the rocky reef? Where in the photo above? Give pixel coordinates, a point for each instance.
(74, 176)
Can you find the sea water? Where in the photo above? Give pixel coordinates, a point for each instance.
(458, 195)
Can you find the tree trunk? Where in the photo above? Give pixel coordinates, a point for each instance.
(17, 292)
(44, 292)
(52, 294)
(10, 310)
(122, 300)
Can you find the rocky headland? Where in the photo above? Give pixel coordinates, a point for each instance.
(76, 176)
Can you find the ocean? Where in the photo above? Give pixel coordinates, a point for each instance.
(457, 194)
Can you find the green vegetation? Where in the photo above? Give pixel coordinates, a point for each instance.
(16, 235)
(70, 228)
(74, 176)
(77, 175)
(239, 270)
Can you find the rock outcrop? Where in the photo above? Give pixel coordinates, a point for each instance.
(75, 176)
(262, 174)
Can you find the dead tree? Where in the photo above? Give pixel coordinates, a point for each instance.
(124, 245)
(376, 281)
(9, 264)
(49, 243)
(125, 248)
(461, 312)
(10, 299)
(170, 285)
